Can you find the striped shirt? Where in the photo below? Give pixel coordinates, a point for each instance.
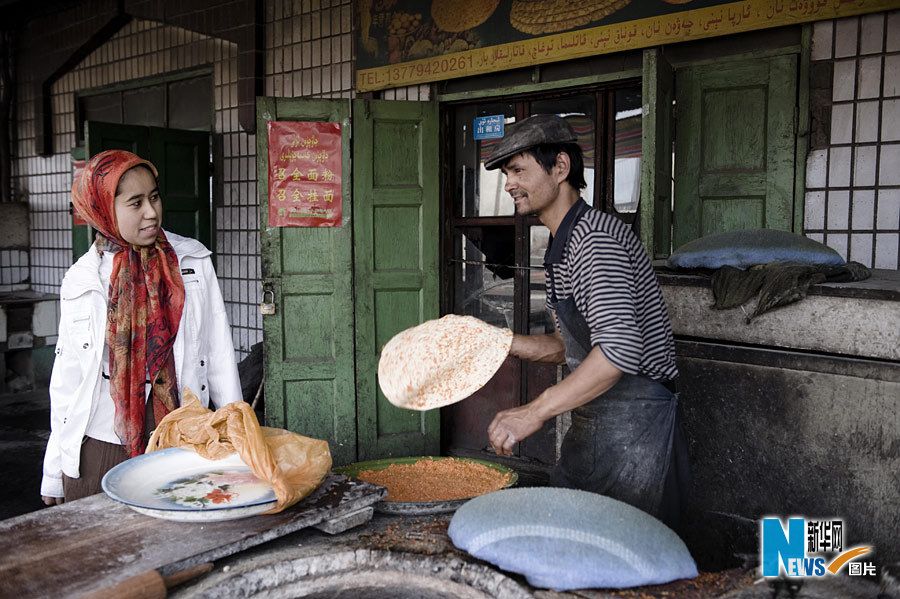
(604, 266)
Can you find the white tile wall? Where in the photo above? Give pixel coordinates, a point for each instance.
(853, 186)
(863, 209)
(308, 54)
(842, 124)
(844, 80)
(890, 120)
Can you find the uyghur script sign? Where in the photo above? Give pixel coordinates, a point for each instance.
(304, 174)
(406, 42)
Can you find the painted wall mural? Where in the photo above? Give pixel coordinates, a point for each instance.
(406, 42)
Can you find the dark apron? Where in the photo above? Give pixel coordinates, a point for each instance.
(627, 443)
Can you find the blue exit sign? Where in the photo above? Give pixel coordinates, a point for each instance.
(488, 127)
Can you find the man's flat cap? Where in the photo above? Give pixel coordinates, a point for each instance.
(527, 133)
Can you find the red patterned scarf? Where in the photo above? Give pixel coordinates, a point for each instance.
(146, 298)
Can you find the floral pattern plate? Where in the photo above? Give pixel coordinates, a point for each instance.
(177, 484)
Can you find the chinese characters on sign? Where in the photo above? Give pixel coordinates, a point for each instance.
(488, 127)
(824, 536)
(304, 174)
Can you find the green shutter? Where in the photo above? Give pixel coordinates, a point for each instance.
(734, 159)
(396, 223)
(309, 368)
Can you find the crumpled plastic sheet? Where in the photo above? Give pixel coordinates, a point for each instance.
(293, 464)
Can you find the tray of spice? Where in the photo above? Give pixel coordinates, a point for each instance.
(430, 485)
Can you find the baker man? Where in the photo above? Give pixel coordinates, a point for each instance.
(613, 331)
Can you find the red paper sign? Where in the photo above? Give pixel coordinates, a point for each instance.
(77, 167)
(304, 174)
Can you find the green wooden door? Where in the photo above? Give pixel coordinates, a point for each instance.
(734, 148)
(396, 222)
(309, 361)
(342, 292)
(182, 159)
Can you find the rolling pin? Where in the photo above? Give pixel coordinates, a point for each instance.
(148, 585)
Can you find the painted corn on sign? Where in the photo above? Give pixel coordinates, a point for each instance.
(304, 174)
(405, 42)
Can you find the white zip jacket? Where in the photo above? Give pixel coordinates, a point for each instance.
(204, 353)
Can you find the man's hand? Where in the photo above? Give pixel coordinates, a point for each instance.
(512, 426)
(52, 500)
(590, 380)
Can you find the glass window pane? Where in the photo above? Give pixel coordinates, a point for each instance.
(190, 104)
(145, 106)
(484, 278)
(479, 192)
(106, 108)
(581, 113)
(539, 319)
(627, 178)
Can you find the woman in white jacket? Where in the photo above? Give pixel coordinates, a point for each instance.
(141, 319)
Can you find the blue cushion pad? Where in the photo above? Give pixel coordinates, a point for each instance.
(566, 539)
(748, 247)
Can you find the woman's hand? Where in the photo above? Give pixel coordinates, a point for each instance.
(53, 500)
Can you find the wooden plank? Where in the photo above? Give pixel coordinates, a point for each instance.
(529, 88)
(781, 142)
(93, 543)
(656, 151)
(802, 127)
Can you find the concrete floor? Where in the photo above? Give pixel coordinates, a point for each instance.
(24, 428)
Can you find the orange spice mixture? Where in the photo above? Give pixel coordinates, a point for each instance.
(436, 480)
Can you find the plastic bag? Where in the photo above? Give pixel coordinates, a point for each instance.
(293, 464)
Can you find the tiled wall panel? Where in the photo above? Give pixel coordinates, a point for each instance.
(853, 180)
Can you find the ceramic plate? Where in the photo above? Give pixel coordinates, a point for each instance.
(177, 484)
(419, 508)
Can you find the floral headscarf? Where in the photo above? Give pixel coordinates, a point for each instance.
(146, 298)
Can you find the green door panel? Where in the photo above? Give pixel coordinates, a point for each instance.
(734, 157)
(396, 222)
(113, 136)
(182, 159)
(309, 355)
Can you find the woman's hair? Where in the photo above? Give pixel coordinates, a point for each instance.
(545, 155)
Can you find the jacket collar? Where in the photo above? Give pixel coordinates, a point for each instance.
(558, 242)
(84, 275)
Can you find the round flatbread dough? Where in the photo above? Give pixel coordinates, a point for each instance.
(441, 362)
(456, 17)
